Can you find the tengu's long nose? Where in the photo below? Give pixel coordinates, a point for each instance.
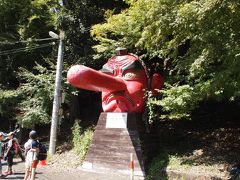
(86, 78)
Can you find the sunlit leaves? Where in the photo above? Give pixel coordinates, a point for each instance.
(199, 39)
(37, 96)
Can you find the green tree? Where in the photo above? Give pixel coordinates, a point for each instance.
(21, 22)
(77, 18)
(8, 102)
(198, 41)
(36, 94)
(28, 85)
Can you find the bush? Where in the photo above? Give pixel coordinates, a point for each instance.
(198, 41)
(81, 139)
(157, 165)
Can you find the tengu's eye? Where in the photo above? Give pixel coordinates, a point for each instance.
(130, 75)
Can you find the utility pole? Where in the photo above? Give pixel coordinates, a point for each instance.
(57, 93)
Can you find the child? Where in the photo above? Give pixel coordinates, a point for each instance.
(31, 151)
(9, 154)
(1, 155)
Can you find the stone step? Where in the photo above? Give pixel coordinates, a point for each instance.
(110, 148)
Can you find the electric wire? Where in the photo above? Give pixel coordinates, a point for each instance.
(87, 29)
(13, 51)
(27, 41)
(24, 49)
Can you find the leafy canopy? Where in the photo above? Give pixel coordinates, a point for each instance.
(198, 40)
(37, 95)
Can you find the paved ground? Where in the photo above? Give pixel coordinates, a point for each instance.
(49, 173)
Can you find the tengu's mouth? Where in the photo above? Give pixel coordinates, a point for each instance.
(119, 96)
(118, 102)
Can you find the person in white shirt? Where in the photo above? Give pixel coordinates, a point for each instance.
(31, 151)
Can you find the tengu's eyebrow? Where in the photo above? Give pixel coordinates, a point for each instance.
(134, 65)
(107, 69)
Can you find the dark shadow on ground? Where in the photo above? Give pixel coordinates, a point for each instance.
(211, 137)
(16, 177)
(19, 173)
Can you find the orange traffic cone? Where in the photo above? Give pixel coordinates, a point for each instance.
(43, 163)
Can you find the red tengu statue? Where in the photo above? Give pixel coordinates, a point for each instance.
(122, 80)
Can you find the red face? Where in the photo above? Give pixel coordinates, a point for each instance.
(122, 81)
(130, 70)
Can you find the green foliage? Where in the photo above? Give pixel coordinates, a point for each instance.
(77, 19)
(8, 102)
(198, 41)
(81, 140)
(158, 164)
(37, 22)
(179, 101)
(37, 95)
(20, 23)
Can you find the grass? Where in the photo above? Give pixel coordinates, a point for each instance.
(81, 139)
(157, 165)
(71, 154)
(177, 162)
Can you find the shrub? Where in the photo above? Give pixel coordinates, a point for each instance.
(81, 139)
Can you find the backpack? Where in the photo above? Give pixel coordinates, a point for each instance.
(15, 147)
(42, 155)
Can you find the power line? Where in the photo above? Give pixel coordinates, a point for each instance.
(19, 49)
(25, 48)
(27, 41)
(38, 40)
(13, 51)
